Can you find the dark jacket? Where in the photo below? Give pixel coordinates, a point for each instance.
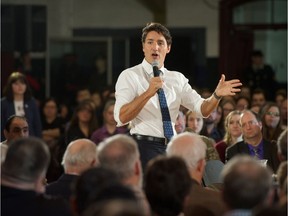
(269, 153)
(31, 113)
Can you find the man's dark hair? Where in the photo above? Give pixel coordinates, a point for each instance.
(26, 159)
(160, 29)
(90, 185)
(167, 182)
(10, 120)
(246, 183)
(257, 53)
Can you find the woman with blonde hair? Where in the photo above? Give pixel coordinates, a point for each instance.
(233, 133)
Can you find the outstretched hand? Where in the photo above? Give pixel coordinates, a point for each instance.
(227, 88)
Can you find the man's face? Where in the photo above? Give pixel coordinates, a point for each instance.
(109, 116)
(155, 48)
(18, 128)
(258, 99)
(251, 128)
(180, 123)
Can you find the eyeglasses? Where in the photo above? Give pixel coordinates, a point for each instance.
(276, 114)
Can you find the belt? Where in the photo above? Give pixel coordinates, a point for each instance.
(150, 138)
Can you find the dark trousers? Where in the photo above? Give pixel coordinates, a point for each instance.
(149, 150)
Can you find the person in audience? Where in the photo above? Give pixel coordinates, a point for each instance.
(82, 93)
(120, 153)
(51, 122)
(96, 185)
(246, 185)
(284, 115)
(271, 121)
(18, 100)
(258, 98)
(210, 128)
(180, 123)
(253, 143)
(83, 122)
(242, 103)
(79, 156)
(195, 125)
(109, 128)
(255, 108)
(167, 185)
(22, 181)
(282, 185)
(228, 105)
(192, 149)
(233, 133)
(282, 146)
(16, 127)
(280, 96)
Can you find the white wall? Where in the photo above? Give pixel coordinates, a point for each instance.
(64, 15)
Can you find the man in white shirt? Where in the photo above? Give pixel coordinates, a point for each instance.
(15, 127)
(137, 102)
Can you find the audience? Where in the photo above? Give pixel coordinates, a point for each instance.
(16, 127)
(192, 149)
(246, 185)
(258, 97)
(254, 144)
(22, 181)
(282, 146)
(80, 155)
(120, 154)
(180, 123)
(109, 128)
(233, 133)
(167, 185)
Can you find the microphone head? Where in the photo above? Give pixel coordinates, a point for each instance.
(155, 64)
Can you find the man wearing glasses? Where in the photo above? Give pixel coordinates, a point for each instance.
(253, 143)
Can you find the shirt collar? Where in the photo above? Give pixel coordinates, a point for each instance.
(148, 68)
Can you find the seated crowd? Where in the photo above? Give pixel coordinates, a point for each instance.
(73, 160)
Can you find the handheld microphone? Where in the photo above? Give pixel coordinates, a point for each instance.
(155, 65)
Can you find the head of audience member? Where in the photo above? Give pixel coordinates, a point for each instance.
(228, 106)
(84, 114)
(50, 109)
(280, 96)
(194, 121)
(233, 132)
(251, 125)
(258, 97)
(242, 103)
(96, 98)
(192, 149)
(180, 122)
(82, 94)
(245, 91)
(108, 113)
(271, 120)
(90, 185)
(282, 179)
(80, 155)
(120, 153)
(16, 127)
(211, 119)
(17, 86)
(282, 146)
(114, 207)
(26, 164)
(219, 115)
(167, 184)
(246, 183)
(284, 115)
(257, 59)
(206, 93)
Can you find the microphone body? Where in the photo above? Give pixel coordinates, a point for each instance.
(156, 72)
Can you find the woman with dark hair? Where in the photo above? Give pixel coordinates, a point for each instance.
(18, 100)
(271, 121)
(83, 122)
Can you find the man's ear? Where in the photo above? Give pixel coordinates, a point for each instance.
(6, 134)
(201, 165)
(168, 49)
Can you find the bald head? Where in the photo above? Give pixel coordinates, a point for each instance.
(188, 146)
(80, 155)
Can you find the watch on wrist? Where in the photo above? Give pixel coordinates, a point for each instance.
(216, 96)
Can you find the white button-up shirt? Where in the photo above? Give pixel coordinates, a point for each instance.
(134, 81)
